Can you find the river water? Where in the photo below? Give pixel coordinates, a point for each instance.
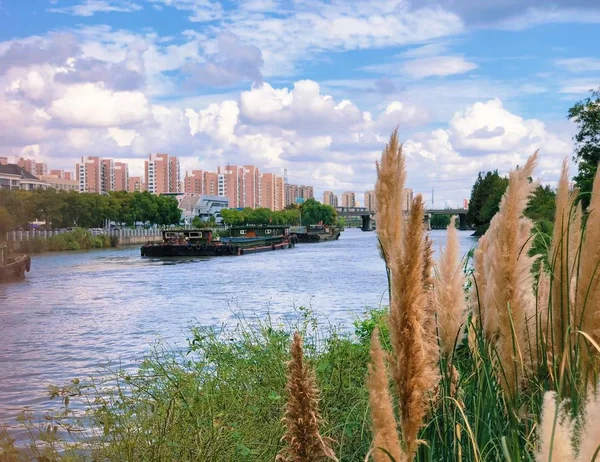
(75, 311)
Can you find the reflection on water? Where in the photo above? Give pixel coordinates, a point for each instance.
(77, 310)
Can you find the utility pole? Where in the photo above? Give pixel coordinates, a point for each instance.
(432, 197)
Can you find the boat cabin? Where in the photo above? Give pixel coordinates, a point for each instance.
(188, 236)
(254, 231)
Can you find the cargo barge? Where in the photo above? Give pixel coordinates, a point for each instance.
(316, 233)
(241, 240)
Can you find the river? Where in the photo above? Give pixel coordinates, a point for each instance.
(77, 310)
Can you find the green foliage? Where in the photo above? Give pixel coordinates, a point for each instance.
(586, 114)
(313, 212)
(62, 209)
(542, 205)
(6, 222)
(260, 216)
(223, 398)
(440, 221)
(198, 222)
(485, 199)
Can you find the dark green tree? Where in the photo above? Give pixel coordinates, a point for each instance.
(485, 199)
(542, 205)
(586, 114)
(440, 221)
(313, 212)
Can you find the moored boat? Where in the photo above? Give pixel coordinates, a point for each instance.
(316, 233)
(203, 242)
(13, 266)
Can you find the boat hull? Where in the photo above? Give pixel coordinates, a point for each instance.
(15, 268)
(310, 238)
(235, 247)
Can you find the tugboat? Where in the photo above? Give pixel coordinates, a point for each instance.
(201, 243)
(13, 266)
(317, 233)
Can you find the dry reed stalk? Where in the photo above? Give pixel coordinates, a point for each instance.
(587, 305)
(302, 419)
(555, 433)
(448, 293)
(479, 286)
(508, 301)
(414, 365)
(385, 431)
(565, 243)
(391, 177)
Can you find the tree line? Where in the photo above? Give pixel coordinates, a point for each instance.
(62, 209)
(310, 212)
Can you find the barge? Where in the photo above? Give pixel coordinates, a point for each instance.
(316, 233)
(13, 266)
(203, 242)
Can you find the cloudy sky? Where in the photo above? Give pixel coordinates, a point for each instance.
(312, 86)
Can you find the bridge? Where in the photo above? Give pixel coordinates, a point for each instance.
(462, 216)
(368, 216)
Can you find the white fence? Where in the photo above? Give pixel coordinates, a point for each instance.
(122, 234)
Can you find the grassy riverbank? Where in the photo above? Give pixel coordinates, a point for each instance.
(78, 239)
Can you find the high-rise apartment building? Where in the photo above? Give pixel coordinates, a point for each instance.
(268, 191)
(210, 184)
(3, 160)
(135, 184)
(61, 174)
(35, 168)
(370, 204)
(108, 175)
(194, 183)
(251, 186)
(279, 191)
(121, 176)
(329, 198)
(89, 174)
(162, 173)
(348, 199)
(295, 194)
(231, 185)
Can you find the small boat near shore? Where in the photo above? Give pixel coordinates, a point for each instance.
(203, 242)
(316, 233)
(13, 266)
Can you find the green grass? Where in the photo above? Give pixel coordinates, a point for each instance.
(78, 239)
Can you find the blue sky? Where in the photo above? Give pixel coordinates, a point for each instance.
(312, 86)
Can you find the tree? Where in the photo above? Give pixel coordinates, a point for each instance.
(586, 114)
(6, 223)
(313, 212)
(542, 205)
(440, 221)
(485, 199)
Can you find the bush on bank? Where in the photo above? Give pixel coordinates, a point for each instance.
(78, 239)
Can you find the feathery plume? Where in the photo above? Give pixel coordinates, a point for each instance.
(385, 432)
(413, 366)
(391, 176)
(302, 419)
(555, 434)
(588, 284)
(479, 287)
(565, 241)
(590, 431)
(448, 294)
(508, 300)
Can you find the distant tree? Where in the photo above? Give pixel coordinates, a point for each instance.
(542, 205)
(586, 114)
(485, 199)
(6, 223)
(313, 212)
(440, 221)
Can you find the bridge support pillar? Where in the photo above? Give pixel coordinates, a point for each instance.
(427, 221)
(462, 222)
(366, 223)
